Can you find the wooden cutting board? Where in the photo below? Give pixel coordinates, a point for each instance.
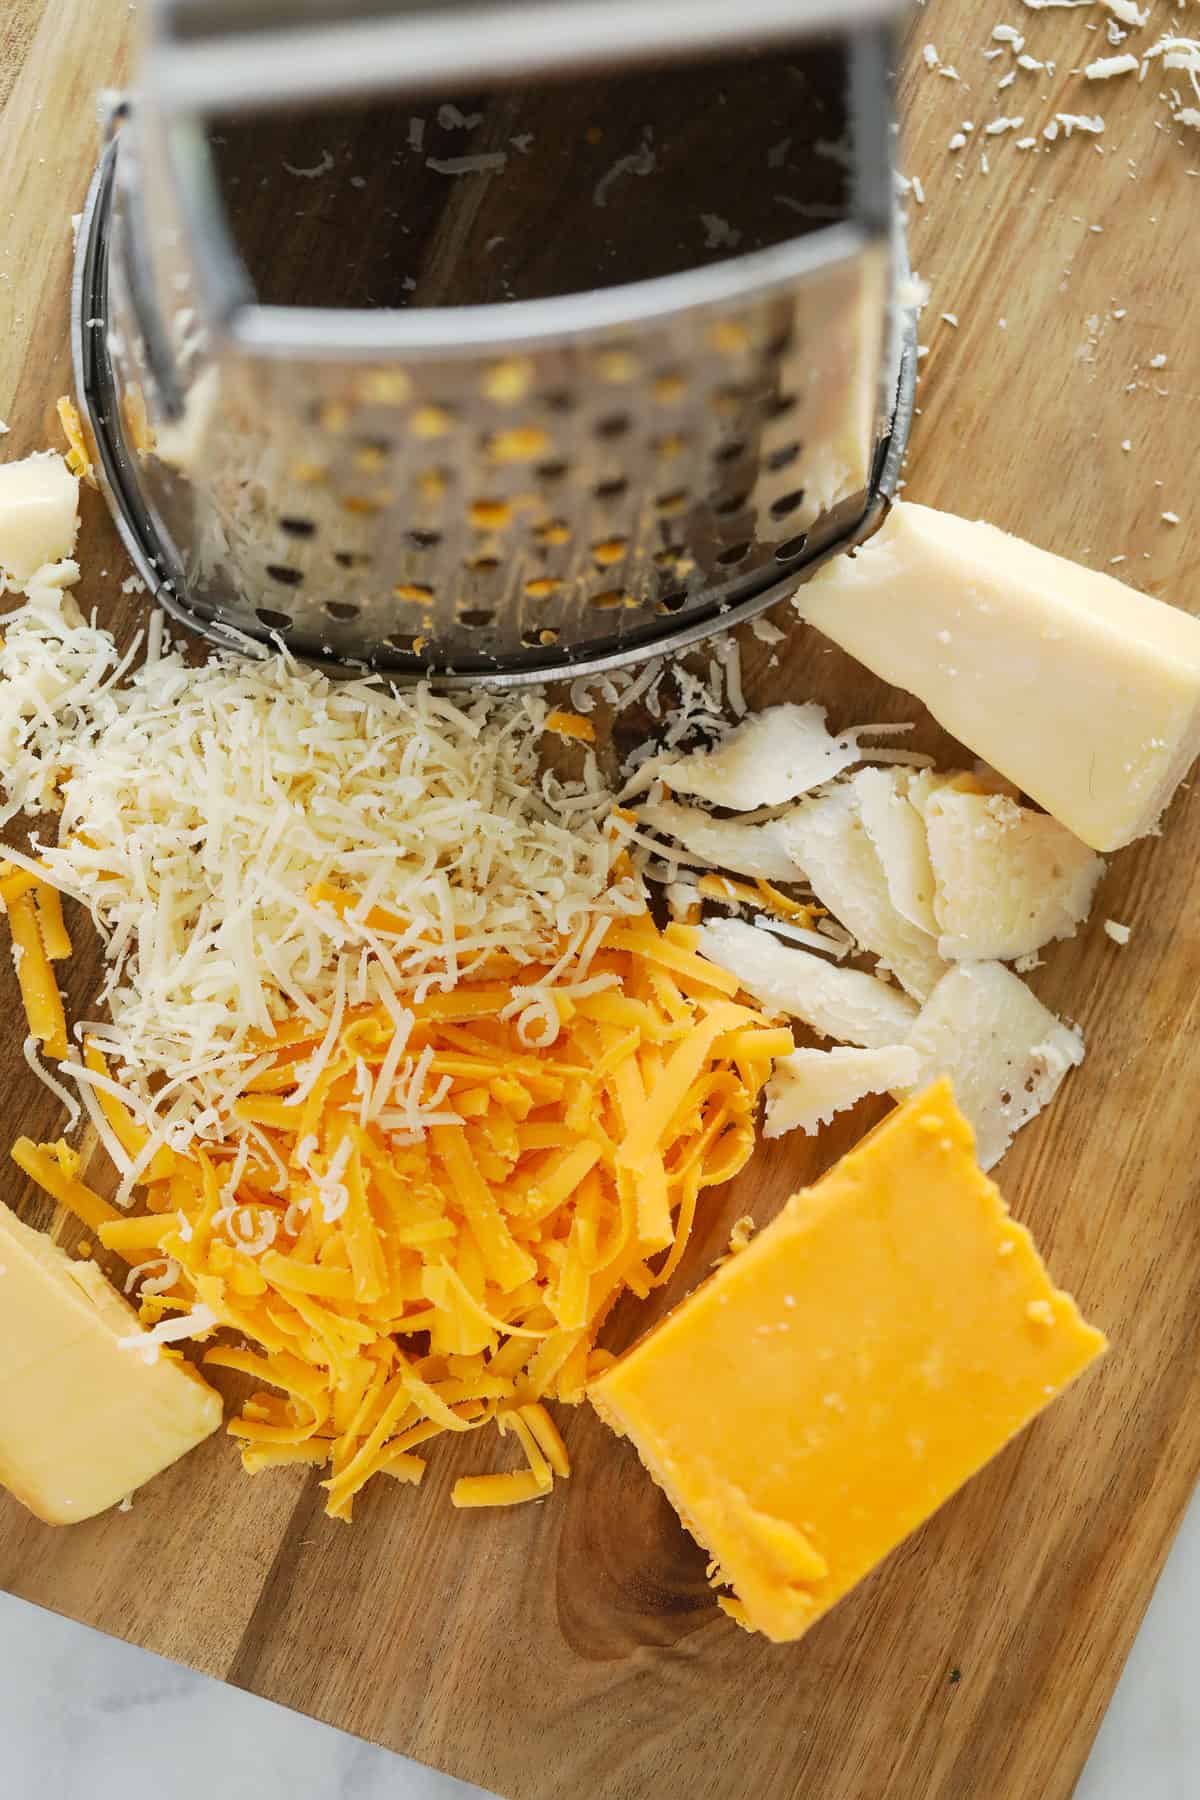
(572, 1648)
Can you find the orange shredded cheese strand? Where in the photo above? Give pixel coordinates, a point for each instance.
(39, 990)
(571, 725)
(39, 1162)
(55, 936)
(512, 1489)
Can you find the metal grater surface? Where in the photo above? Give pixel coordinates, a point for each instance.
(529, 381)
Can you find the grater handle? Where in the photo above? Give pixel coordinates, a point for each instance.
(251, 55)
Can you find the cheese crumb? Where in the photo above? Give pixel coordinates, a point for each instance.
(1120, 934)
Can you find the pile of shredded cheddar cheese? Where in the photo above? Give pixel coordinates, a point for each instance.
(435, 1216)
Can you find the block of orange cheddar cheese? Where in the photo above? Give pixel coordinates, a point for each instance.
(832, 1384)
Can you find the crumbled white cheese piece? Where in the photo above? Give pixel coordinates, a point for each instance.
(897, 833)
(808, 1087)
(1105, 67)
(773, 757)
(1128, 12)
(832, 846)
(1008, 879)
(39, 515)
(843, 1004)
(1000, 125)
(1170, 518)
(1006, 1054)
(760, 851)
(1120, 934)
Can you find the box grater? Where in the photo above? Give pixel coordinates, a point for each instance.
(489, 339)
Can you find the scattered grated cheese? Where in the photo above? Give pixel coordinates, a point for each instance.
(1120, 934)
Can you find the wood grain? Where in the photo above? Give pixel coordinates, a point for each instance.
(571, 1648)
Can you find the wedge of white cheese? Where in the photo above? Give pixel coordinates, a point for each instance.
(837, 1003)
(831, 843)
(1007, 879)
(1004, 1051)
(39, 515)
(760, 851)
(1080, 690)
(810, 1086)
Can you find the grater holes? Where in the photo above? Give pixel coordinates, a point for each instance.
(793, 548)
(779, 405)
(617, 365)
(730, 452)
(371, 454)
(669, 504)
(609, 551)
(297, 527)
(669, 387)
(412, 591)
(542, 587)
(552, 533)
(508, 381)
(550, 472)
(481, 565)
(404, 642)
(615, 489)
(521, 444)
(430, 421)
(274, 621)
(424, 540)
(780, 344)
(490, 515)
(611, 599)
(477, 618)
(669, 555)
(787, 503)
(351, 559)
(783, 458)
(615, 425)
(736, 553)
(341, 609)
(728, 400)
(558, 400)
(673, 602)
(670, 445)
(539, 638)
(285, 575)
(731, 505)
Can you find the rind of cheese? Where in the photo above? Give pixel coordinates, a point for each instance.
(831, 842)
(39, 515)
(1006, 1052)
(772, 758)
(1008, 879)
(760, 851)
(1082, 691)
(897, 833)
(834, 1002)
(83, 1421)
(830, 1386)
(810, 1086)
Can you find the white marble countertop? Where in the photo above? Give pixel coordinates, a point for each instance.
(85, 1718)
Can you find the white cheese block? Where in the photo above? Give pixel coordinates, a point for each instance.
(1008, 879)
(810, 1086)
(831, 844)
(39, 515)
(757, 850)
(838, 1003)
(776, 756)
(1082, 691)
(1005, 1053)
(897, 833)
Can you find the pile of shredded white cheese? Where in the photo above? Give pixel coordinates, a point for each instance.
(200, 807)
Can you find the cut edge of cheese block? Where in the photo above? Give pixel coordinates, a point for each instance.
(1077, 688)
(65, 1473)
(1007, 1054)
(787, 1572)
(843, 1004)
(809, 1087)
